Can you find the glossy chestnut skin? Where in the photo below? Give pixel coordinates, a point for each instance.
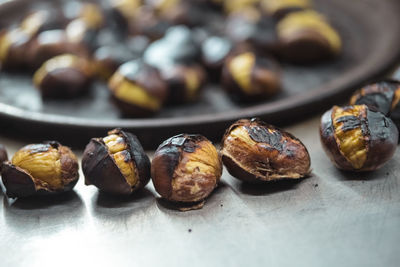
(383, 96)
(248, 77)
(307, 37)
(357, 138)
(254, 151)
(104, 169)
(186, 168)
(49, 44)
(14, 44)
(107, 60)
(138, 89)
(43, 19)
(396, 75)
(64, 76)
(184, 82)
(34, 170)
(214, 52)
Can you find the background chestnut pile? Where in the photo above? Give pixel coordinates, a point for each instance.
(156, 53)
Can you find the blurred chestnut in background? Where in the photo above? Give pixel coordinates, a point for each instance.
(357, 138)
(40, 169)
(254, 151)
(306, 37)
(214, 51)
(383, 96)
(186, 168)
(14, 44)
(107, 59)
(248, 77)
(63, 76)
(184, 82)
(280, 8)
(138, 89)
(116, 164)
(43, 19)
(49, 44)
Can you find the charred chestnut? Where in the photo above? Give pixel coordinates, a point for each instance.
(382, 96)
(254, 151)
(63, 76)
(116, 164)
(248, 77)
(280, 8)
(138, 89)
(39, 169)
(186, 168)
(357, 138)
(184, 82)
(306, 36)
(49, 44)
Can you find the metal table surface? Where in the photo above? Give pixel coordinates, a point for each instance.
(332, 218)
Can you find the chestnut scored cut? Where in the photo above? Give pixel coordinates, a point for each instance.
(186, 168)
(254, 151)
(40, 169)
(116, 164)
(248, 77)
(383, 96)
(357, 138)
(280, 8)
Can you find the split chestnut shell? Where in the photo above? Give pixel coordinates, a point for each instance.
(116, 164)
(40, 169)
(254, 151)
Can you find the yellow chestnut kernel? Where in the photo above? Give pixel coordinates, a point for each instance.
(204, 160)
(241, 68)
(42, 165)
(129, 92)
(351, 142)
(192, 83)
(114, 143)
(274, 5)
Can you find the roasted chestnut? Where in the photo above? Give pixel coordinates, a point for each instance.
(280, 8)
(214, 52)
(231, 6)
(138, 89)
(254, 151)
(14, 44)
(177, 46)
(116, 164)
(249, 77)
(249, 27)
(186, 168)
(184, 82)
(40, 169)
(382, 96)
(357, 138)
(42, 20)
(63, 76)
(306, 37)
(122, 12)
(107, 60)
(49, 44)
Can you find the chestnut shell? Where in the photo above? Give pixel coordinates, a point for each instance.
(381, 136)
(166, 160)
(19, 183)
(262, 137)
(101, 170)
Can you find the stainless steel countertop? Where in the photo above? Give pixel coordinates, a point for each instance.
(330, 219)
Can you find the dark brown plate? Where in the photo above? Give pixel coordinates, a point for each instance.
(371, 34)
